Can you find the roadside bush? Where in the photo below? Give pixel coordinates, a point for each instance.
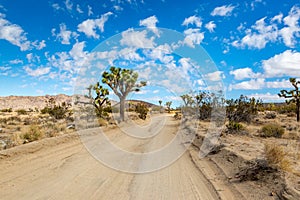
(242, 109)
(286, 108)
(272, 130)
(102, 122)
(56, 111)
(270, 115)
(6, 110)
(177, 115)
(235, 128)
(21, 112)
(33, 133)
(276, 156)
(142, 110)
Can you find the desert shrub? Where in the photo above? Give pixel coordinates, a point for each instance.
(276, 156)
(3, 120)
(156, 109)
(103, 112)
(21, 112)
(33, 133)
(177, 115)
(6, 110)
(102, 122)
(286, 108)
(14, 118)
(56, 111)
(272, 130)
(235, 128)
(270, 115)
(242, 109)
(115, 109)
(291, 114)
(142, 110)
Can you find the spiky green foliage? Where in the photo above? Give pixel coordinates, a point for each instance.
(234, 127)
(187, 100)
(160, 102)
(168, 105)
(160, 107)
(58, 111)
(293, 96)
(242, 109)
(204, 104)
(122, 82)
(142, 110)
(100, 101)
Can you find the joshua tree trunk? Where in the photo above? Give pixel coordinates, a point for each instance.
(122, 108)
(298, 109)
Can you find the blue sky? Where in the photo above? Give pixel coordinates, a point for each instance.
(254, 44)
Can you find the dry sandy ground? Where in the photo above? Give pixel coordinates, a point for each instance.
(62, 168)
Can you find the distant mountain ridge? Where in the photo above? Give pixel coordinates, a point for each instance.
(39, 102)
(31, 102)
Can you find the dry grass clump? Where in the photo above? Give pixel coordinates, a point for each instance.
(34, 133)
(277, 157)
(272, 130)
(102, 122)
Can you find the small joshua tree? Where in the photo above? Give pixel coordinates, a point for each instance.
(101, 101)
(292, 96)
(160, 102)
(168, 105)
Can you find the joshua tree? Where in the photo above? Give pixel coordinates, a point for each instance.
(188, 100)
(122, 82)
(160, 102)
(293, 96)
(101, 101)
(168, 105)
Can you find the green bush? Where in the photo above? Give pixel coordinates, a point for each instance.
(6, 110)
(242, 109)
(234, 127)
(272, 130)
(56, 111)
(21, 112)
(142, 110)
(270, 115)
(177, 115)
(34, 133)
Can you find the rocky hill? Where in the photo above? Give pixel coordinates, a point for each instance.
(31, 102)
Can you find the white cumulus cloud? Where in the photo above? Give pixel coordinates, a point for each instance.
(243, 73)
(210, 26)
(225, 10)
(90, 26)
(136, 39)
(65, 35)
(37, 72)
(193, 36)
(193, 20)
(215, 76)
(14, 34)
(283, 64)
(150, 23)
(276, 29)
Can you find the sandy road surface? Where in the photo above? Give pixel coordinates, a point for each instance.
(59, 168)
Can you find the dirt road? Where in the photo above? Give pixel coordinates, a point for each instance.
(62, 168)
